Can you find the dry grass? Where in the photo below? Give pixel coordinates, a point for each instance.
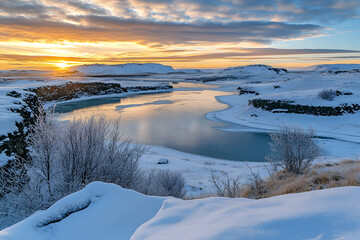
(344, 173)
(320, 176)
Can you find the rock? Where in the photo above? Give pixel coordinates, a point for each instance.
(287, 106)
(246, 90)
(163, 161)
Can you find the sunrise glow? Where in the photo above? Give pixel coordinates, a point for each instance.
(62, 65)
(183, 34)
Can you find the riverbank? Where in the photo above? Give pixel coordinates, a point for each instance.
(301, 88)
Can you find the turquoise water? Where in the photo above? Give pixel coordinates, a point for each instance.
(175, 120)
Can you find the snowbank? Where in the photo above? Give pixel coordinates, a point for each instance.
(122, 69)
(333, 67)
(325, 214)
(254, 69)
(106, 211)
(99, 211)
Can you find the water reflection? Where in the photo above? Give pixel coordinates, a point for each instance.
(175, 120)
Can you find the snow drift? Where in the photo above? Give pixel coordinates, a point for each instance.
(254, 69)
(333, 67)
(99, 211)
(122, 69)
(106, 211)
(325, 214)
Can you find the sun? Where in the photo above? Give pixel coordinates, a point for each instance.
(62, 65)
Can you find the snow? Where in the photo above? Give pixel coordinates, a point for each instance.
(106, 211)
(4, 159)
(196, 169)
(302, 88)
(324, 214)
(332, 67)
(113, 213)
(253, 69)
(122, 69)
(8, 118)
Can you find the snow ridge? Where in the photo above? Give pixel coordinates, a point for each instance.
(254, 69)
(333, 67)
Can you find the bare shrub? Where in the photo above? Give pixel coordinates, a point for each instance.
(256, 185)
(229, 187)
(65, 158)
(164, 183)
(327, 94)
(94, 149)
(293, 148)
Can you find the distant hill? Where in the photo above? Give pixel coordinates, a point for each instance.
(254, 69)
(333, 67)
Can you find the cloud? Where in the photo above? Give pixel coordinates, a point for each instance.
(112, 29)
(167, 30)
(170, 21)
(41, 58)
(236, 53)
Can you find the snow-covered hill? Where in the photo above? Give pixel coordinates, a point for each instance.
(254, 69)
(333, 67)
(122, 69)
(106, 211)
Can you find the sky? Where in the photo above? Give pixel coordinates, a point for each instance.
(55, 34)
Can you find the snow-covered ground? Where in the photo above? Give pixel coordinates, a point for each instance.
(302, 88)
(196, 169)
(106, 211)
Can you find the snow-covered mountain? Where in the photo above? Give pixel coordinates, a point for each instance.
(254, 69)
(333, 67)
(122, 69)
(106, 211)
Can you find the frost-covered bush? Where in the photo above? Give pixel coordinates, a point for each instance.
(65, 158)
(327, 94)
(169, 183)
(293, 148)
(94, 149)
(163, 183)
(73, 154)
